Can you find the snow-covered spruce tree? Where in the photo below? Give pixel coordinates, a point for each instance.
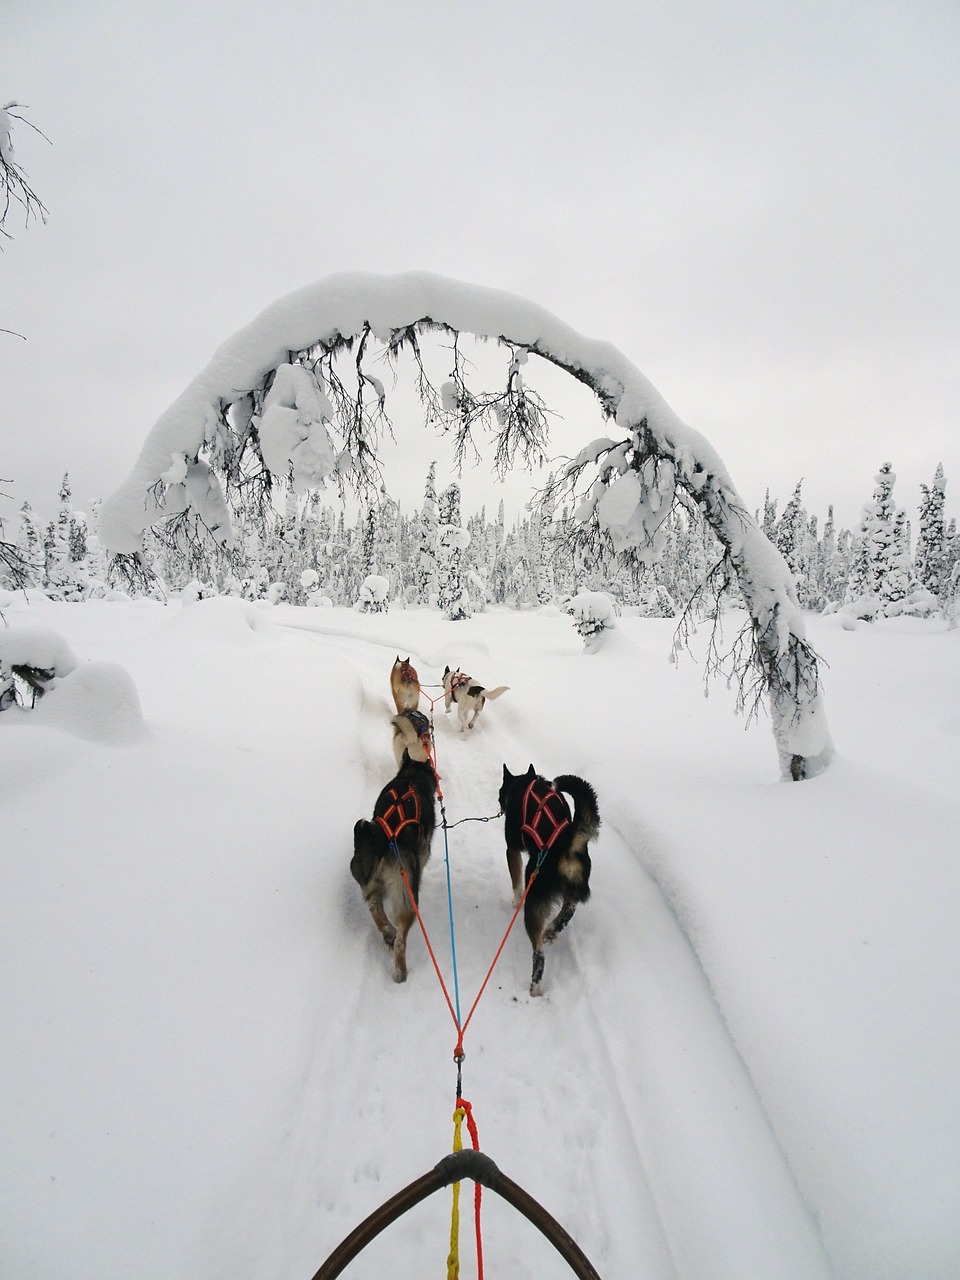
(388, 540)
(64, 551)
(453, 597)
(861, 597)
(883, 538)
(427, 548)
(900, 582)
(930, 563)
(790, 530)
(545, 537)
(769, 522)
(296, 387)
(18, 560)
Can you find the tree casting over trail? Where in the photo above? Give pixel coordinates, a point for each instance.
(294, 395)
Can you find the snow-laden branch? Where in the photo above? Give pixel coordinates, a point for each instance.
(273, 401)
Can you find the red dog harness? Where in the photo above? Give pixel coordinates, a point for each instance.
(544, 814)
(404, 812)
(457, 682)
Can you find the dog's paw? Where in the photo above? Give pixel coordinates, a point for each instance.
(536, 989)
(399, 975)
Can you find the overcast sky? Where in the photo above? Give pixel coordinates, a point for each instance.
(757, 203)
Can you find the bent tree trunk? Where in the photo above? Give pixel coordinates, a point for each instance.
(275, 401)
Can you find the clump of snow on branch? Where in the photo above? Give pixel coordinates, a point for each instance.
(294, 428)
(198, 496)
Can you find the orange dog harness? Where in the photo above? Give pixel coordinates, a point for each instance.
(544, 814)
(404, 812)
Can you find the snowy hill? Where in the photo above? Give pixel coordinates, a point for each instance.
(745, 1060)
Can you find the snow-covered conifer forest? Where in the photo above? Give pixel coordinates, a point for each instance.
(305, 550)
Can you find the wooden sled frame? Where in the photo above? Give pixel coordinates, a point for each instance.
(454, 1168)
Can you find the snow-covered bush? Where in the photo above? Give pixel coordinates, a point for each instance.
(373, 594)
(31, 658)
(196, 590)
(920, 603)
(593, 613)
(658, 603)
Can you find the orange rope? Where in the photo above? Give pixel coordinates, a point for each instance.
(493, 964)
(426, 938)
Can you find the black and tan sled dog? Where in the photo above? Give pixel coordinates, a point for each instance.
(404, 819)
(538, 823)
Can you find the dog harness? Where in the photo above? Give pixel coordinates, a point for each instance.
(404, 812)
(421, 724)
(544, 814)
(457, 681)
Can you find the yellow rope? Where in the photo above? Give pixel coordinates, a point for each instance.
(453, 1260)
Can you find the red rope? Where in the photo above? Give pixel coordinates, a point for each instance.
(493, 964)
(426, 938)
(477, 1189)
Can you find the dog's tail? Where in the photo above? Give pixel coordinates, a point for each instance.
(586, 811)
(490, 694)
(369, 846)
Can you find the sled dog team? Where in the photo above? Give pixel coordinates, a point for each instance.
(391, 850)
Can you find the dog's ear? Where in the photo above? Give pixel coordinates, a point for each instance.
(397, 663)
(506, 773)
(446, 671)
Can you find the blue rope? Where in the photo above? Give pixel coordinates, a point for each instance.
(453, 936)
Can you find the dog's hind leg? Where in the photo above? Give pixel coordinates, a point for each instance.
(514, 866)
(534, 916)
(380, 920)
(405, 920)
(536, 976)
(560, 920)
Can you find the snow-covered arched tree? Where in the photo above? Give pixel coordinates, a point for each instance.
(295, 389)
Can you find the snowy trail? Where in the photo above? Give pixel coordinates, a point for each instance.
(209, 1071)
(528, 1121)
(649, 1124)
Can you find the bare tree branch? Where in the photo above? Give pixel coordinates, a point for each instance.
(14, 187)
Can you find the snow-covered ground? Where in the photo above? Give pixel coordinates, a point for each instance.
(745, 1063)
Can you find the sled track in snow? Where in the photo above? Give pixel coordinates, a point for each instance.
(633, 1103)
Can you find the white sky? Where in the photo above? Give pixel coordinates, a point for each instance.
(757, 203)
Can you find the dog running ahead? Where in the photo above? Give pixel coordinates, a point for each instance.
(404, 685)
(538, 822)
(469, 696)
(404, 819)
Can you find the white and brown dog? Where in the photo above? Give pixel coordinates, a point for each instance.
(468, 695)
(405, 685)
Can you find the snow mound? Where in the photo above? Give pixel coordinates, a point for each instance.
(223, 619)
(99, 701)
